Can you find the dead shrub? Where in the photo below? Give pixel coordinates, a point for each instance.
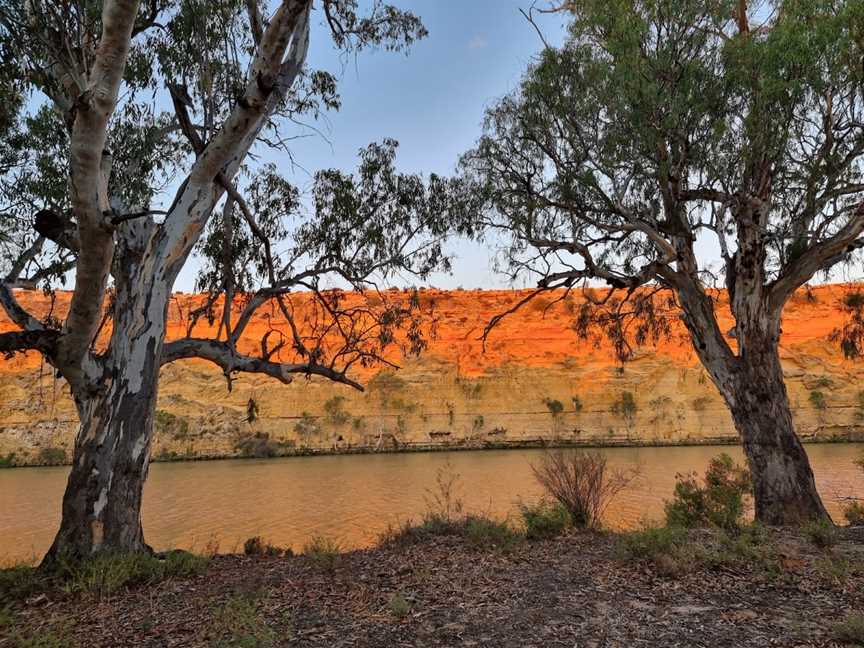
(582, 483)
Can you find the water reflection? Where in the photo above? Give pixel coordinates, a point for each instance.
(354, 498)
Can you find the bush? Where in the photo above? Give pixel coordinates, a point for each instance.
(257, 546)
(307, 426)
(239, 622)
(817, 400)
(399, 606)
(109, 573)
(544, 520)
(168, 423)
(485, 533)
(334, 411)
(851, 629)
(258, 445)
(581, 482)
(854, 513)
(323, 552)
(7, 461)
(718, 503)
(651, 542)
(822, 533)
(52, 456)
(625, 406)
(555, 407)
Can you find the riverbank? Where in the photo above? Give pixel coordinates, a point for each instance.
(461, 446)
(484, 587)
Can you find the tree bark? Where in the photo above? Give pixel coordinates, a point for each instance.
(102, 502)
(783, 486)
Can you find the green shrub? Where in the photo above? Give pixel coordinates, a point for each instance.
(52, 456)
(257, 546)
(581, 482)
(43, 639)
(334, 411)
(544, 519)
(170, 424)
(485, 533)
(307, 427)
(237, 622)
(817, 400)
(386, 381)
(399, 605)
(8, 461)
(323, 552)
(625, 407)
(719, 502)
(851, 629)
(854, 513)
(109, 573)
(651, 542)
(822, 533)
(17, 583)
(258, 445)
(555, 407)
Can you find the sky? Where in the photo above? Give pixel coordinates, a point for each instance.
(431, 100)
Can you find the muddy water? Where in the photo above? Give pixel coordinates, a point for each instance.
(353, 498)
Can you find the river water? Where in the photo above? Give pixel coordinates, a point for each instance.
(353, 498)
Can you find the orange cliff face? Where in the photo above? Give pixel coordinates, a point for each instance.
(458, 392)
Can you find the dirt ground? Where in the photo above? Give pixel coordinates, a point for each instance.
(575, 591)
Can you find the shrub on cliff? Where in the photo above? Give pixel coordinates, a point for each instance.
(718, 502)
(581, 482)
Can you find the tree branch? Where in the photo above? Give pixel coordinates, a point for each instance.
(222, 355)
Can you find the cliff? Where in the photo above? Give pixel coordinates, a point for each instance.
(535, 381)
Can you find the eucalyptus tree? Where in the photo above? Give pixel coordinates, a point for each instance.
(114, 108)
(663, 130)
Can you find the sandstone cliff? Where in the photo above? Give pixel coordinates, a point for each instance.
(535, 381)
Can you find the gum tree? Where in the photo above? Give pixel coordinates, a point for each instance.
(664, 133)
(112, 107)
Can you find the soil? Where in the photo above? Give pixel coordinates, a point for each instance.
(574, 591)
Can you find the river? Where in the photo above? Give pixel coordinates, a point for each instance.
(353, 498)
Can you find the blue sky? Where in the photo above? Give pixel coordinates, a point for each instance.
(431, 100)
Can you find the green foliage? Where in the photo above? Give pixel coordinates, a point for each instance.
(555, 407)
(399, 605)
(485, 533)
(258, 546)
(43, 639)
(8, 461)
(18, 582)
(386, 382)
(258, 445)
(718, 502)
(307, 426)
(817, 400)
(334, 411)
(652, 542)
(625, 407)
(854, 513)
(544, 520)
(238, 622)
(851, 629)
(323, 552)
(822, 533)
(577, 404)
(171, 424)
(581, 483)
(109, 573)
(51, 456)
(472, 390)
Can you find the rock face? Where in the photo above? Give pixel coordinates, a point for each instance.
(536, 381)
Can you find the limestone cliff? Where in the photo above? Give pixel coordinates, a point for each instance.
(536, 380)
